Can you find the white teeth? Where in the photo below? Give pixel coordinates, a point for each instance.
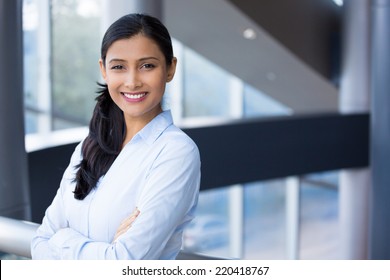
(134, 96)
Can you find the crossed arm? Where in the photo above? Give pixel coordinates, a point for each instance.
(126, 224)
(163, 209)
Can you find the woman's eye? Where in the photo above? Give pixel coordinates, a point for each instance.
(117, 67)
(148, 66)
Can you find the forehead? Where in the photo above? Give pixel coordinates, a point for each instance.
(135, 48)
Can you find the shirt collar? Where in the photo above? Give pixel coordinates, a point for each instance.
(156, 127)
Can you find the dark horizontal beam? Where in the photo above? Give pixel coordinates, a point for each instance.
(240, 152)
(264, 149)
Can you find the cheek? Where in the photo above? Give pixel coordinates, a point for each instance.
(160, 83)
(159, 89)
(112, 88)
(112, 82)
(113, 96)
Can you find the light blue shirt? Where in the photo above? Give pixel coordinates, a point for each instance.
(158, 171)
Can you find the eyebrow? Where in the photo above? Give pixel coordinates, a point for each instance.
(116, 60)
(141, 59)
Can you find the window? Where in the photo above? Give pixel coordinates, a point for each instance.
(206, 87)
(257, 104)
(74, 61)
(209, 231)
(35, 42)
(61, 62)
(265, 220)
(320, 216)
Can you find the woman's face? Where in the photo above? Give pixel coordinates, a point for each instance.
(136, 72)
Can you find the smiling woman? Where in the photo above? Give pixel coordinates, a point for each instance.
(132, 184)
(136, 80)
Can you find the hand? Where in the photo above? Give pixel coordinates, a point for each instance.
(126, 224)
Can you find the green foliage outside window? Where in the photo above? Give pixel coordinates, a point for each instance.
(75, 53)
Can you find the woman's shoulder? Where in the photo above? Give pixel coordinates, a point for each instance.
(177, 136)
(176, 140)
(77, 153)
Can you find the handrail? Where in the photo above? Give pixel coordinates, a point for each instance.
(16, 235)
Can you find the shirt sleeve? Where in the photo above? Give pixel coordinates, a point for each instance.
(54, 218)
(166, 204)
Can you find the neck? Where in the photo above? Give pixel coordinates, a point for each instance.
(134, 125)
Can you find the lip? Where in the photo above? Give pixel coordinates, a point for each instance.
(134, 96)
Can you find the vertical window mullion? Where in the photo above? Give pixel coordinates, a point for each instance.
(292, 217)
(44, 67)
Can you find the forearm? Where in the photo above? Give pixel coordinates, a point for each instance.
(41, 250)
(68, 244)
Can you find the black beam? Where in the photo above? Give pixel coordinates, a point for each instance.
(241, 152)
(46, 168)
(265, 149)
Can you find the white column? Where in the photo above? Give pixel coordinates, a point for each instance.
(236, 98)
(292, 217)
(354, 213)
(44, 79)
(354, 97)
(175, 89)
(112, 10)
(236, 192)
(236, 221)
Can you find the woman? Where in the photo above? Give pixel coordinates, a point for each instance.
(132, 185)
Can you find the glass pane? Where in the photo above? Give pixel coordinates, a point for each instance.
(30, 60)
(5, 256)
(265, 219)
(257, 104)
(31, 122)
(208, 233)
(206, 87)
(60, 123)
(75, 58)
(319, 217)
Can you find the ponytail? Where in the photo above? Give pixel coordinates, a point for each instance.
(102, 145)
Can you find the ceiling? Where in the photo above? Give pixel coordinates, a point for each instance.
(287, 72)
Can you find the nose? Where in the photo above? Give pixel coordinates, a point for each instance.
(133, 80)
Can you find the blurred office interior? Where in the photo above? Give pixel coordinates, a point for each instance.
(287, 101)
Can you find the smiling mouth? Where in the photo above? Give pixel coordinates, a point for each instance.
(134, 96)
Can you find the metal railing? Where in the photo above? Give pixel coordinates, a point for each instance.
(16, 235)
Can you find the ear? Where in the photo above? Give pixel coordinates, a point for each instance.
(171, 70)
(102, 69)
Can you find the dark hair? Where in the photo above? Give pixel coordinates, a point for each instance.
(107, 126)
